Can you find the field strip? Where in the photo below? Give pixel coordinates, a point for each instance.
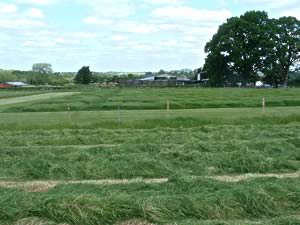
(37, 97)
(237, 178)
(61, 146)
(42, 186)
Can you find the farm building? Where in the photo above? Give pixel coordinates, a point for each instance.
(4, 85)
(17, 84)
(12, 84)
(164, 80)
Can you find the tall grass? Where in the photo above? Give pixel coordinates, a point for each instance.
(161, 203)
(151, 153)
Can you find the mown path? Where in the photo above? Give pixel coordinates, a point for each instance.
(38, 97)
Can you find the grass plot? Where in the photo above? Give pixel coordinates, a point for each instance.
(38, 97)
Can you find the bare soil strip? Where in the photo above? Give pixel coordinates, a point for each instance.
(237, 178)
(43, 186)
(7, 101)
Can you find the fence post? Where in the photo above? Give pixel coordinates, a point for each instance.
(264, 104)
(168, 105)
(119, 115)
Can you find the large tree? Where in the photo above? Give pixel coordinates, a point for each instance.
(84, 76)
(286, 38)
(241, 47)
(43, 68)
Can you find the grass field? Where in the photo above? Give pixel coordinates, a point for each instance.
(142, 99)
(214, 158)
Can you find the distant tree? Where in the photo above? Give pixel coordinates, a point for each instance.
(84, 76)
(148, 74)
(43, 68)
(6, 75)
(286, 36)
(161, 72)
(240, 48)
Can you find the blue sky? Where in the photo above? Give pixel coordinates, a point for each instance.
(118, 35)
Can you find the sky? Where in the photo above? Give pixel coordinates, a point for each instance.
(118, 35)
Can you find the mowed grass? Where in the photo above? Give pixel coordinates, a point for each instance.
(178, 98)
(180, 201)
(136, 119)
(17, 93)
(35, 97)
(189, 148)
(83, 154)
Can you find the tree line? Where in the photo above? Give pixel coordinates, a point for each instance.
(251, 46)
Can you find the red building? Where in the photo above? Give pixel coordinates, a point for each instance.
(4, 85)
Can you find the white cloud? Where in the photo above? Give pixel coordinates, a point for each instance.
(163, 2)
(35, 2)
(110, 8)
(40, 44)
(291, 12)
(20, 23)
(169, 43)
(83, 35)
(191, 14)
(271, 3)
(191, 39)
(119, 37)
(8, 8)
(35, 13)
(134, 27)
(97, 21)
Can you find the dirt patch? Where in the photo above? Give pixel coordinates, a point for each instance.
(44, 186)
(237, 178)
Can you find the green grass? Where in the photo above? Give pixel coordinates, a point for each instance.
(207, 132)
(266, 200)
(36, 97)
(17, 93)
(151, 153)
(141, 99)
(148, 118)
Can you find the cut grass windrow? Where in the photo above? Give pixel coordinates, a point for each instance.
(242, 177)
(42, 186)
(179, 199)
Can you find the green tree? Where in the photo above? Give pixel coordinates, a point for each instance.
(161, 72)
(286, 37)
(240, 47)
(84, 76)
(43, 68)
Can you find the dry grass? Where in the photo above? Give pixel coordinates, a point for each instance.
(44, 186)
(237, 178)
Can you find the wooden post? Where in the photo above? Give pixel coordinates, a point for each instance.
(119, 114)
(168, 105)
(264, 104)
